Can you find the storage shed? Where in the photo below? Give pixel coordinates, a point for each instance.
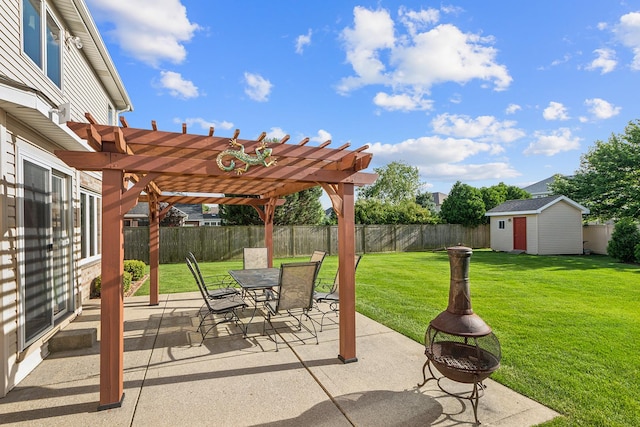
(544, 226)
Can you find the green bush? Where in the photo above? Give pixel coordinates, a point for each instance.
(126, 284)
(637, 252)
(97, 283)
(126, 281)
(135, 267)
(624, 239)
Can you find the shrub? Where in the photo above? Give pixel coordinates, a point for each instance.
(126, 284)
(135, 267)
(624, 239)
(637, 252)
(97, 283)
(126, 281)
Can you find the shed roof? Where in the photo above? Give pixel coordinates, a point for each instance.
(531, 206)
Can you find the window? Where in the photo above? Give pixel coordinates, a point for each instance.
(38, 32)
(501, 224)
(111, 116)
(90, 209)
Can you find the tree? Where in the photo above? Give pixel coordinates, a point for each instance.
(302, 208)
(500, 193)
(624, 239)
(608, 180)
(374, 211)
(463, 205)
(173, 218)
(239, 214)
(396, 182)
(426, 201)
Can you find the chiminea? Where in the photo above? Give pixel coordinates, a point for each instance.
(458, 342)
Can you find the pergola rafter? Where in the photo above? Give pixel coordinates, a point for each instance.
(178, 167)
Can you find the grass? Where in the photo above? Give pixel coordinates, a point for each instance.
(569, 326)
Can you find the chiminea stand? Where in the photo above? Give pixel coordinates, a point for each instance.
(458, 343)
(473, 396)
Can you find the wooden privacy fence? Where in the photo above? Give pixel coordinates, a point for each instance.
(226, 243)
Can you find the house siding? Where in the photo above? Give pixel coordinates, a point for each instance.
(85, 90)
(560, 230)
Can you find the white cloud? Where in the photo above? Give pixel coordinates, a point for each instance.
(628, 31)
(402, 102)
(418, 20)
(258, 88)
(276, 132)
(419, 59)
(428, 151)
(483, 128)
(439, 158)
(321, 137)
(206, 124)
(601, 109)
(372, 31)
(177, 86)
(555, 111)
(549, 144)
(155, 32)
(495, 171)
(512, 109)
(302, 41)
(605, 61)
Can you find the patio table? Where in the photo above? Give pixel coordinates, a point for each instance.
(255, 279)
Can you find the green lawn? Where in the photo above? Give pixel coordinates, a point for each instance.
(569, 326)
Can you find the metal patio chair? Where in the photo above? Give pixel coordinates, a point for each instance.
(294, 297)
(333, 296)
(318, 256)
(220, 287)
(224, 307)
(255, 258)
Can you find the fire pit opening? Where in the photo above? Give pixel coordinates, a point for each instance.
(458, 343)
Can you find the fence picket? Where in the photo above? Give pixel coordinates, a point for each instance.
(225, 243)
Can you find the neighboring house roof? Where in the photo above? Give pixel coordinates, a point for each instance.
(438, 198)
(541, 188)
(531, 206)
(192, 212)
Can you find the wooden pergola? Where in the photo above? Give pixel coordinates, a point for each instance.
(156, 166)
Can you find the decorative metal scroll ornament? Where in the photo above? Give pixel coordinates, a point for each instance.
(263, 153)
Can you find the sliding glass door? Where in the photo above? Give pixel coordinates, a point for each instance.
(46, 291)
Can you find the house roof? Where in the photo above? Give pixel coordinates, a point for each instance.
(531, 206)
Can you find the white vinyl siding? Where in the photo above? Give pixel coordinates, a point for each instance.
(80, 85)
(501, 239)
(560, 230)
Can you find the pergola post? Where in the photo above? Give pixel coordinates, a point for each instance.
(154, 251)
(346, 271)
(111, 292)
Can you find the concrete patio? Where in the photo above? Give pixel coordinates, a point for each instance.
(170, 379)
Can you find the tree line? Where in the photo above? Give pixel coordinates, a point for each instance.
(607, 182)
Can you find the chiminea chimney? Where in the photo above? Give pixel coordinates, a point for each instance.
(459, 318)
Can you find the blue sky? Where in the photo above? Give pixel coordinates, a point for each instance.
(477, 91)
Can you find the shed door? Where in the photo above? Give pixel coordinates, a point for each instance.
(520, 233)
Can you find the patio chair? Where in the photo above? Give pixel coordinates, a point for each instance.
(333, 296)
(318, 256)
(295, 294)
(221, 287)
(255, 258)
(226, 307)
